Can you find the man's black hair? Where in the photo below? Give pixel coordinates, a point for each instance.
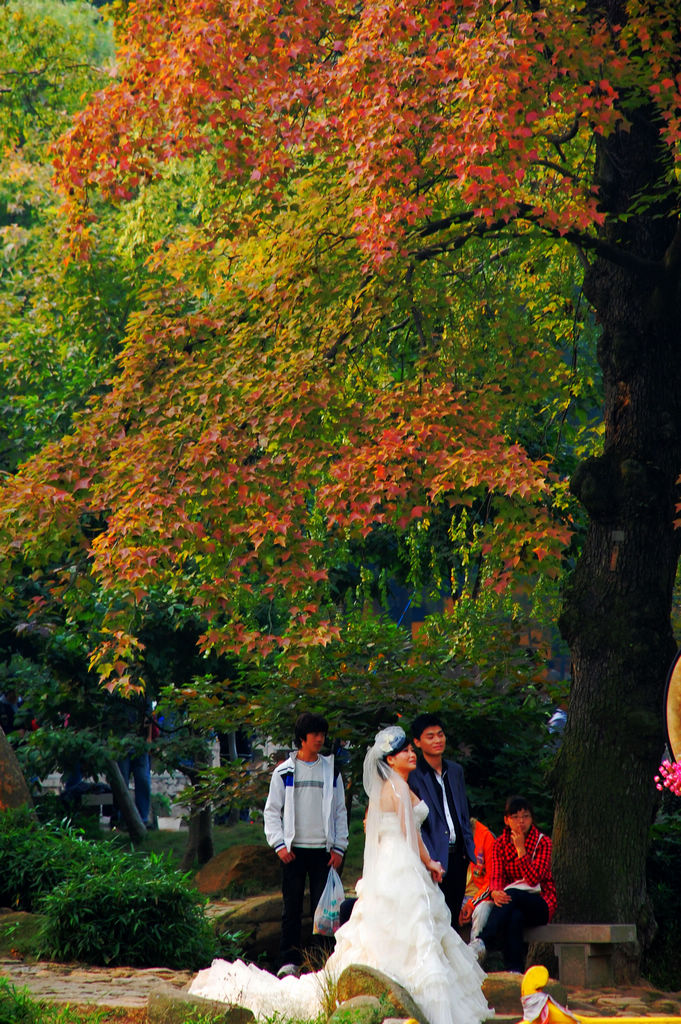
(306, 723)
(517, 803)
(425, 721)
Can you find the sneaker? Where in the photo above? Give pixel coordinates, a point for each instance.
(478, 947)
(289, 971)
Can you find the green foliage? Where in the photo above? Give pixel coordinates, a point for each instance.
(16, 1006)
(662, 960)
(58, 320)
(160, 804)
(230, 945)
(51, 54)
(61, 322)
(130, 912)
(36, 858)
(479, 666)
(101, 906)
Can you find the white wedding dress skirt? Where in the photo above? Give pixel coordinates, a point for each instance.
(400, 925)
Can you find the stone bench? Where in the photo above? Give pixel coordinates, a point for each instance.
(584, 951)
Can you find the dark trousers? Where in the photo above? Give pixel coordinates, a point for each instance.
(453, 885)
(526, 910)
(308, 863)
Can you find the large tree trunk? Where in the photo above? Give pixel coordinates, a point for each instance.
(14, 791)
(617, 605)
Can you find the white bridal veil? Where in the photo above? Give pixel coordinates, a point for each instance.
(388, 793)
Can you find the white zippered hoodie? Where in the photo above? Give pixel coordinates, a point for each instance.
(279, 814)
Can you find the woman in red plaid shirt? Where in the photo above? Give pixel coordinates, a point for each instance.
(521, 884)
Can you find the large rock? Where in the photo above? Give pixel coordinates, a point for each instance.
(259, 921)
(359, 980)
(502, 992)
(167, 1005)
(239, 872)
(256, 910)
(358, 1010)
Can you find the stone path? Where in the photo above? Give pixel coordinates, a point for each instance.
(129, 988)
(84, 986)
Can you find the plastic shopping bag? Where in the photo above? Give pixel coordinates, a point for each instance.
(327, 914)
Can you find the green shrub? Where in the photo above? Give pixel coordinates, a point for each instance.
(160, 805)
(133, 911)
(101, 905)
(35, 858)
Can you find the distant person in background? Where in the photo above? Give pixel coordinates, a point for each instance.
(9, 705)
(521, 885)
(15, 716)
(558, 720)
(234, 746)
(134, 716)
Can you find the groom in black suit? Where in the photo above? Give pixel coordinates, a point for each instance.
(446, 831)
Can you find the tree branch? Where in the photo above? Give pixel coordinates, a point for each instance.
(552, 166)
(567, 136)
(599, 246)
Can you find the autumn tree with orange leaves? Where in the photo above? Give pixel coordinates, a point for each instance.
(303, 376)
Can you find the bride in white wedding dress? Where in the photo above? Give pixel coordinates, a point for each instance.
(400, 924)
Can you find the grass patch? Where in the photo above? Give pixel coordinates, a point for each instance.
(18, 1007)
(242, 833)
(173, 844)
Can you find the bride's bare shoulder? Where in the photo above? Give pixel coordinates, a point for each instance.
(389, 799)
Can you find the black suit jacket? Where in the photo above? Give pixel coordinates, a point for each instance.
(434, 831)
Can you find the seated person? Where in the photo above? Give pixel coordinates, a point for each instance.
(521, 885)
(477, 902)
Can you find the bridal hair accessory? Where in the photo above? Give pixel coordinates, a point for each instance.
(388, 741)
(391, 740)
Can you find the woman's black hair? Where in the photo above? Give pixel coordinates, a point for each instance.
(517, 803)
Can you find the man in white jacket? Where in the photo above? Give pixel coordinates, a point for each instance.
(306, 824)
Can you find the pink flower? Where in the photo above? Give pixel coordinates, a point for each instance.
(669, 777)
